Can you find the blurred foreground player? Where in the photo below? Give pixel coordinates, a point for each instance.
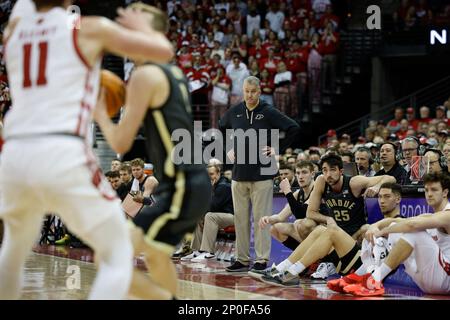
(53, 71)
(158, 95)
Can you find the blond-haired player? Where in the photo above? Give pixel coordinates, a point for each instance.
(53, 71)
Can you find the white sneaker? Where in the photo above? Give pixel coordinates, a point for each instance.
(324, 270)
(190, 256)
(203, 256)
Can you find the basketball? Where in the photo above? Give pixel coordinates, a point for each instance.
(114, 91)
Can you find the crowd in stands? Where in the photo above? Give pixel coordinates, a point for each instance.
(414, 14)
(427, 131)
(219, 43)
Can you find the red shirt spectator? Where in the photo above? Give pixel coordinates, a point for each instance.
(410, 116)
(266, 83)
(199, 72)
(394, 124)
(293, 20)
(269, 63)
(329, 41)
(404, 127)
(301, 54)
(224, 78)
(184, 56)
(257, 50)
(329, 16)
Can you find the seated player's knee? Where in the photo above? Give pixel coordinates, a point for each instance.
(318, 230)
(394, 237)
(298, 224)
(333, 232)
(413, 239)
(333, 228)
(305, 226)
(274, 232)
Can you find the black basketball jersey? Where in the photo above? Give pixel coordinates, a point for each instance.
(299, 210)
(159, 125)
(299, 207)
(347, 210)
(142, 184)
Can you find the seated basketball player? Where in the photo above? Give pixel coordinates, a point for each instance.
(426, 255)
(343, 196)
(291, 234)
(158, 96)
(324, 239)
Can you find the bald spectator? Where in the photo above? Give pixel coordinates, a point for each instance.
(424, 114)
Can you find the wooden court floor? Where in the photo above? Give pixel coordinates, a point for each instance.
(59, 272)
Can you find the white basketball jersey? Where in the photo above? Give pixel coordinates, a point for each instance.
(22, 8)
(53, 90)
(443, 239)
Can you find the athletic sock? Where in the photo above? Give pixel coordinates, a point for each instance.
(381, 272)
(284, 265)
(296, 268)
(361, 270)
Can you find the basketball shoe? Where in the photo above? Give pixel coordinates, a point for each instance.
(368, 288)
(352, 278)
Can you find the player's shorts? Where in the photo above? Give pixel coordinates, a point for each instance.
(350, 262)
(55, 174)
(426, 265)
(178, 208)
